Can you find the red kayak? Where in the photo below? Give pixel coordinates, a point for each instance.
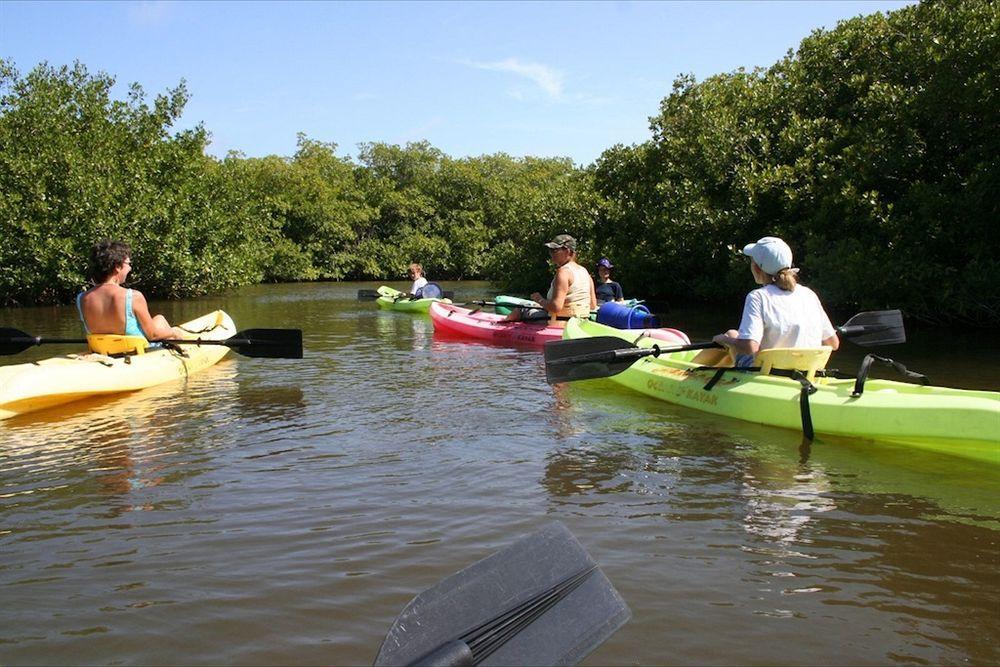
(461, 322)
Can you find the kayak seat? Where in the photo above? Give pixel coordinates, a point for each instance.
(430, 291)
(805, 359)
(112, 344)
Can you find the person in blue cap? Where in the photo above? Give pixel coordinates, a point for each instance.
(607, 289)
(780, 313)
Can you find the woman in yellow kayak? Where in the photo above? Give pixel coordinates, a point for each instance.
(571, 293)
(781, 313)
(109, 308)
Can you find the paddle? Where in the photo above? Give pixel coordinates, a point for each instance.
(265, 343)
(541, 601)
(604, 356)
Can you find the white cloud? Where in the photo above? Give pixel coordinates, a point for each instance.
(546, 78)
(150, 12)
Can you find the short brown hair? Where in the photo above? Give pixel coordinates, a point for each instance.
(106, 256)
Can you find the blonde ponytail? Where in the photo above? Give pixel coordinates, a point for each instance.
(786, 279)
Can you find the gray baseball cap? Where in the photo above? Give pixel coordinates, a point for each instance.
(562, 241)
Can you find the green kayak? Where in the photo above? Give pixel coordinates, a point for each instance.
(391, 299)
(953, 421)
(505, 304)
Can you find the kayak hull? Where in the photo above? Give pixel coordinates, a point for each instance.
(461, 322)
(391, 299)
(953, 421)
(36, 386)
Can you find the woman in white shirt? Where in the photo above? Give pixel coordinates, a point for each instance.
(781, 313)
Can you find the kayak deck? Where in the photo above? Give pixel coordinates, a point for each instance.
(954, 421)
(43, 384)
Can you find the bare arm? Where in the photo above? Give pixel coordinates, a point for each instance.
(559, 292)
(155, 328)
(833, 341)
(737, 345)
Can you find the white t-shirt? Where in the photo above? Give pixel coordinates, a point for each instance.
(776, 318)
(418, 284)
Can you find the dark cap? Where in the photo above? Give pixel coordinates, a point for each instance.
(606, 263)
(562, 241)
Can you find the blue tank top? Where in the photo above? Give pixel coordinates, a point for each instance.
(132, 327)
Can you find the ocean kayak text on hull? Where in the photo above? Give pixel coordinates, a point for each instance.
(952, 421)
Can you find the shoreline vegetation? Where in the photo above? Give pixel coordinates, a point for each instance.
(872, 149)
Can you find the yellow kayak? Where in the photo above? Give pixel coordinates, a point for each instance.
(35, 386)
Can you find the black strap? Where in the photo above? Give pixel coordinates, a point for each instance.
(805, 413)
(807, 389)
(719, 372)
(866, 365)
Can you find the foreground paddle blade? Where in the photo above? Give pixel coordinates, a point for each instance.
(540, 601)
(876, 327)
(367, 294)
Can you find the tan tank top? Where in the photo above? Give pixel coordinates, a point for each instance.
(577, 303)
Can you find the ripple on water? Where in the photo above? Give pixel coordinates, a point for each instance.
(276, 511)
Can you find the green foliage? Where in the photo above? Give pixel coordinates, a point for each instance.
(872, 149)
(77, 166)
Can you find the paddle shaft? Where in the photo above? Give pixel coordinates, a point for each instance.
(30, 341)
(277, 343)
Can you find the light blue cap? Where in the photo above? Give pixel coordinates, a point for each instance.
(771, 254)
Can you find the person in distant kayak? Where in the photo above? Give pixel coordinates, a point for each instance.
(607, 289)
(109, 308)
(781, 313)
(571, 293)
(416, 273)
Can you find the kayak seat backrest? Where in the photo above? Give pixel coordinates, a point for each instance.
(805, 359)
(111, 344)
(430, 291)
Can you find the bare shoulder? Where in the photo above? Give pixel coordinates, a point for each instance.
(138, 298)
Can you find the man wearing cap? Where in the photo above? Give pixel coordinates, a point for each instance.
(571, 293)
(782, 313)
(607, 289)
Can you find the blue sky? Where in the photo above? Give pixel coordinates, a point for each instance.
(546, 79)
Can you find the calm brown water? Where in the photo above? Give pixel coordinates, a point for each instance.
(283, 512)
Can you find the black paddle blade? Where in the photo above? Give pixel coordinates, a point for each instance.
(540, 601)
(13, 341)
(267, 343)
(875, 327)
(367, 294)
(589, 358)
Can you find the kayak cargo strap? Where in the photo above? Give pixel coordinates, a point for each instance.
(866, 365)
(808, 389)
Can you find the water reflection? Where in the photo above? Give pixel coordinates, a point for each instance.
(278, 511)
(283, 405)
